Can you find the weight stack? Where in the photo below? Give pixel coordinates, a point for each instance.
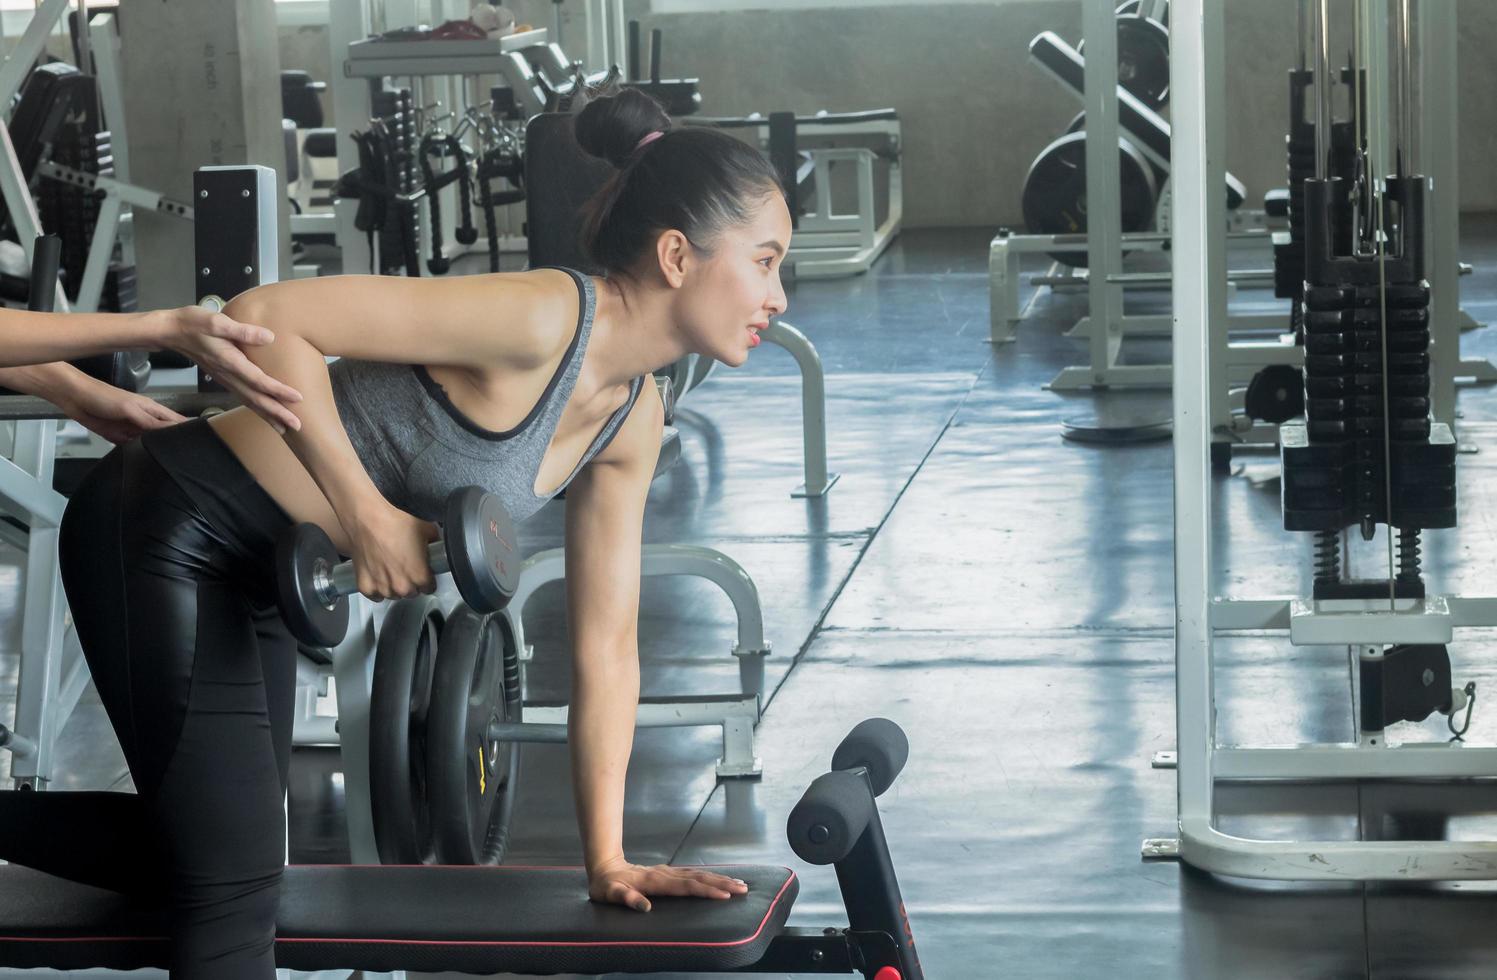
(72, 213)
(1334, 467)
(1289, 258)
(397, 110)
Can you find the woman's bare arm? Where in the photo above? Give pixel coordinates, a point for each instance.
(33, 346)
(27, 337)
(605, 521)
(504, 320)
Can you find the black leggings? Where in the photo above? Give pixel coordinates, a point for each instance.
(167, 558)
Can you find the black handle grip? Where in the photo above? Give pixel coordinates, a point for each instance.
(830, 817)
(878, 745)
(46, 258)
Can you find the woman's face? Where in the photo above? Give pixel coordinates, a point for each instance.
(737, 289)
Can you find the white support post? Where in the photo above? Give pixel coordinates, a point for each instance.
(106, 229)
(1439, 87)
(105, 35)
(348, 22)
(1104, 216)
(595, 23)
(1199, 286)
(352, 672)
(618, 53)
(37, 717)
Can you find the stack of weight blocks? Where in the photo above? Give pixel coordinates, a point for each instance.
(1334, 463)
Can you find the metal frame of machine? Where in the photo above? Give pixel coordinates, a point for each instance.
(1249, 342)
(1364, 626)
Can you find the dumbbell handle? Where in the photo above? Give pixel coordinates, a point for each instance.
(331, 583)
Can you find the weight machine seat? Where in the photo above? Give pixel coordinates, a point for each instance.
(821, 118)
(383, 919)
(1143, 125)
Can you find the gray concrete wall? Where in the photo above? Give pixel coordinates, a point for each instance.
(214, 100)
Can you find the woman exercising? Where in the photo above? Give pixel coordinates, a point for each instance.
(34, 345)
(525, 383)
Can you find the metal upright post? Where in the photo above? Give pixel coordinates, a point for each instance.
(1215, 325)
(1379, 104)
(1104, 219)
(1439, 94)
(348, 21)
(595, 22)
(1197, 174)
(33, 42)
(42, 614)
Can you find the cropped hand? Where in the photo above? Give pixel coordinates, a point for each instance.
(216, 343)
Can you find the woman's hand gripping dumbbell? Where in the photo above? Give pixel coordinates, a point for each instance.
(478, 547)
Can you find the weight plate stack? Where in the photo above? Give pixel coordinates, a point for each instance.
(472, 775)
(1054, 200)
(399, 703)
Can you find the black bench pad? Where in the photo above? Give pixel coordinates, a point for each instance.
(383, 919)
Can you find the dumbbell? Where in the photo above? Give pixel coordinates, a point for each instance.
(478, 547)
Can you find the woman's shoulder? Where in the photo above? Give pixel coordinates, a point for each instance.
(540, 309)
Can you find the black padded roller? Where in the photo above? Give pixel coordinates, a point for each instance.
(45, 256)
(877, 745)
(830, 817)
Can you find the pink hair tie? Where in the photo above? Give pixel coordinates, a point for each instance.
(650, 138)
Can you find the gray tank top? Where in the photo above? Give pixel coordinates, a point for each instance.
(418, 447)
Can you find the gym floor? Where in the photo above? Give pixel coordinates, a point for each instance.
(1007, 598)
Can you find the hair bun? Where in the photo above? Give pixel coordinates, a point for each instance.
(611, 126)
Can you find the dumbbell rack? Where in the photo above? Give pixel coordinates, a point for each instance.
(431, 70)
(1363, 626)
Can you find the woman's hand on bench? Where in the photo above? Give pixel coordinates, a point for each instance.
(620, 883)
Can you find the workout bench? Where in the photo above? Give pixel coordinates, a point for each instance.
(530, 920)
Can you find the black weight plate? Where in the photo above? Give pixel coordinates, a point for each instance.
(1143, 59)
(1078, 122)
(1054, 200)
(1276, 394)
(482, 549)
(1131, 7)
(471, 779)
(398, 706)
(299, 552)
